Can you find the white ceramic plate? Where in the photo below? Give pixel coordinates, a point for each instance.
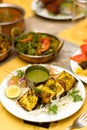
(37, 8)
(75, 65)
(69, 109)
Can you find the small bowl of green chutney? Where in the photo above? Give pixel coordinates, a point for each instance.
(36, 74)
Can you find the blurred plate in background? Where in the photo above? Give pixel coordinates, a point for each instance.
(63, 15)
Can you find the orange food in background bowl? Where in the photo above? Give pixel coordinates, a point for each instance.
(5, 46)
(11, 16)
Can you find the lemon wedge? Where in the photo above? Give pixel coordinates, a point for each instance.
(13, 91)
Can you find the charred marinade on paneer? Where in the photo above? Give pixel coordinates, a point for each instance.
(44, 92)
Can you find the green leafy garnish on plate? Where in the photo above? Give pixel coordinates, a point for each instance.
(20, 73)
(75, 95)
(53, 109)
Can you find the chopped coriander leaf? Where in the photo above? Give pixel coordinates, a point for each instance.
(75, 95)
(20, 73)
(53, 109)
(77, 98)
(37, 90)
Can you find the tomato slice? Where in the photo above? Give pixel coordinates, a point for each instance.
(79, 58)
(84, 49)
(45, 44)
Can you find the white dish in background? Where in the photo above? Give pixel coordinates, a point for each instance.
(37, 8)
(66, 110)
(75, 65)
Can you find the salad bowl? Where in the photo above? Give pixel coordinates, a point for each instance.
(37, 47)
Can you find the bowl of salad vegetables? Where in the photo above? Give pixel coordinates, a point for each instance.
(37, 47)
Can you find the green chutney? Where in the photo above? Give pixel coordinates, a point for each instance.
(37, 75)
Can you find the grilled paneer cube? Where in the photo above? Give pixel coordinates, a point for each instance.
(51, 89)
(50, 82)
(59, 90)
(29, 100)
(55, 86)
(46, 94)
(67, 80)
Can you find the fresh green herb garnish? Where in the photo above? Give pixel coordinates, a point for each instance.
(37, 90)
(52, 14)
(53, 109)
(75, 95)
(20, 73)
